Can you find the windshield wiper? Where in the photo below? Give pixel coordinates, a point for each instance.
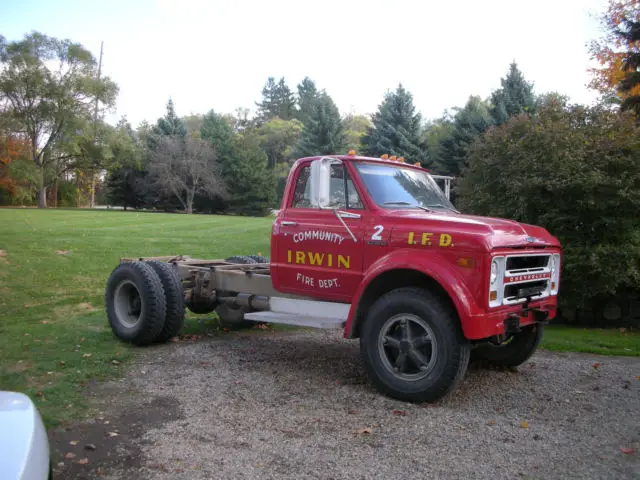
(439, 205)
(408, 204)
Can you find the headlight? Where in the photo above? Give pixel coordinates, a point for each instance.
(494, 272)
(554, 267)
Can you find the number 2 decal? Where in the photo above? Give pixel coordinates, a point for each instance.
(376, 235)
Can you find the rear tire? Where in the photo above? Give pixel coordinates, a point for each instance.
(413, 347)
(174, 298)
(135, 303)
(517, 351)
(232, 316)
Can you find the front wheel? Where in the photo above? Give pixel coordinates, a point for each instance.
(412, 346)
(515, 351)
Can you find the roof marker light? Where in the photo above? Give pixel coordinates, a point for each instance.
(385, 156)
(352, 153)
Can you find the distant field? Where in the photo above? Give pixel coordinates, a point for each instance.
(53, 267)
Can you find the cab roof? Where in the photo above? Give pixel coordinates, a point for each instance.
(358, 158)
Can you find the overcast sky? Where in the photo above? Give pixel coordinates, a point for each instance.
(218, 54)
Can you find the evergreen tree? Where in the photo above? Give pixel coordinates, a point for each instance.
(323, 134)
(170, 124)
(469, 123)
(515, 97)
(217, 130)
(277, 101)
(307, 97)
(251, 185)
(396, 128)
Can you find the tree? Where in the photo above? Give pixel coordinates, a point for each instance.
(217, 131)
(396, 128)
(307, 96)
(323, 134)
(513, 98)
(12, 148)
(278, 138)
(355, 127)
(277, 101)
(127, 182)
(183, 167)
(251, 184)
(434, 134)
(618, 53)
(575, 171)
(170, 124)
(46, 84)
(468, 124)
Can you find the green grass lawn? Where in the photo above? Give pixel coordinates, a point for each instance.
(54, 264)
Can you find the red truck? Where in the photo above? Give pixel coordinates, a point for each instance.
(373, 246)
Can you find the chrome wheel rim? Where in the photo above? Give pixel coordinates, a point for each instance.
(407, 347)
(128, 303)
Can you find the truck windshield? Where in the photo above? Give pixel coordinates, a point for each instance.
(393, 186)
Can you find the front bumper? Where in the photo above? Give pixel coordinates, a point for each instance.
(504, 320)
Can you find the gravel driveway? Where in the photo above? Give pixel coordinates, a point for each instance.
(297, 404)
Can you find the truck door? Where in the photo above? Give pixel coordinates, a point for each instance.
(317, 255)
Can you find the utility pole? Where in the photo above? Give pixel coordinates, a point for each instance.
(95, 131)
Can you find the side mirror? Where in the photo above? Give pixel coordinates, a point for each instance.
(321, 182)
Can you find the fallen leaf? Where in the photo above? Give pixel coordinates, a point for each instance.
(62, 362)
(39, 394)
(44, 321)
(637, 377)
(627, 450)
(74, 442)
(113, 434)
(174, 339)
(115, 362)
(86, 355)
(106, 422)
(61, 464)
(3, 253)
(596, 365)
(63, 252)
(524, 424)
(83, 461)
(352, 412)
(117, 354)
(70, 455)
(622, 330)
(400, 413)
(90, 446)
(491, 422)
(364, 431)
(27, 334)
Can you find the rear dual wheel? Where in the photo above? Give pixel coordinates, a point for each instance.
(144, 302)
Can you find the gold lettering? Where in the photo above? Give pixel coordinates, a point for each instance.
(300, 257)
(410, 240)
(330, 257)
(445, 239)
(289, 256)
(426, 238)
(316, 258)
(345, 262)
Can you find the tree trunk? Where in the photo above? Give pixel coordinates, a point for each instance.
(42, 197)
(42, 194)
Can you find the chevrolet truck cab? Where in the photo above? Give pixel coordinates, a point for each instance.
(374, 247)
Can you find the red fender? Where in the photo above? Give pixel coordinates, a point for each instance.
(432, 265)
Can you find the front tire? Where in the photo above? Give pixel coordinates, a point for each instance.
(135, 303)
(517, 350)
(412, 346)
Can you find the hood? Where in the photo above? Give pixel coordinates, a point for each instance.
(476, 232)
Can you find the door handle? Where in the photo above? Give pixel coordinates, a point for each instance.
(289, 223)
